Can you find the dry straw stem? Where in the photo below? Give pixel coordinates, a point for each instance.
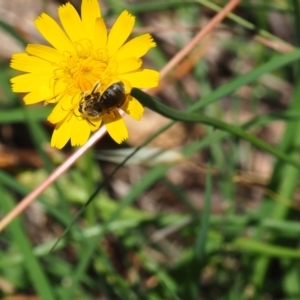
(257, 186)
(185, 65)
(25, 202)
(275, 45)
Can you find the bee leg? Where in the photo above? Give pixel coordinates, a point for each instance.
(95, 88)
(76, 115)
(90, 122)
(84, 95)
(84, 118)
(112, 112)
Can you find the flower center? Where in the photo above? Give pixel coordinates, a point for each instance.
(83, 70)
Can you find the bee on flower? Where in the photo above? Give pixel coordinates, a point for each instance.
(88, 73)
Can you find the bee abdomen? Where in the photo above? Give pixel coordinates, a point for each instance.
(114, 96)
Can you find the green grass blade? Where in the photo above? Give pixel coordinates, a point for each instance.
(265, 249)
(284, 179)
(205, 216)
(171, 113)
(35, 271)
(273, 64)
(16, 115)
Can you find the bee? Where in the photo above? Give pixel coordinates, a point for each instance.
(94, 104)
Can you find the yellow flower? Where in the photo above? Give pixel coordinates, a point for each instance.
(88, 73)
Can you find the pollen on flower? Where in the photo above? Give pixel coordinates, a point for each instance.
(82, 55)
(82, 70)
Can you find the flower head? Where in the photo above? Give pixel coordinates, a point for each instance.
(88, 73)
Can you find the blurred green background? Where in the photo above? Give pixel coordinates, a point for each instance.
(210, 216)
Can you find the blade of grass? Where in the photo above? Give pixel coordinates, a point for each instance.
(205, 217)
(242, 21)
(12, 32)
(15, 115)
(193, 282)
(284, 179)
(265, 249)
(11, 183)
(162, 109)
(272, 65)
(35, 271)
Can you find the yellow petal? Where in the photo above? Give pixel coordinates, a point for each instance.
(133, 108)
(138, 47)
(95, 124)
(100, 37)
(129, 64)
(115, 126)
(41, 94)
(27, 63)
(59, 87)
(44, 92)
(108, 73)
(44, 52)
(53, 33)
(29, 82)
(80, 132)
(71, 22)
(57, 114)
(69, 102)
(127, 86)
(120, 32)
(62, 131)
(90, 11)
(143, 78)
(33, 98)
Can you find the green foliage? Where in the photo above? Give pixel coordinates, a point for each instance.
(82, 240)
